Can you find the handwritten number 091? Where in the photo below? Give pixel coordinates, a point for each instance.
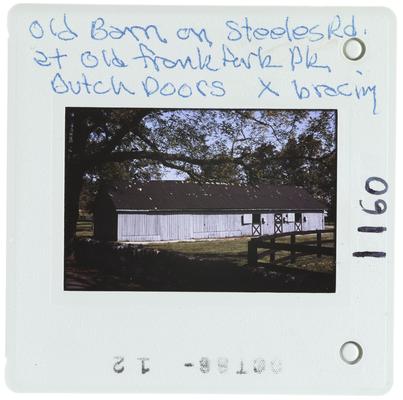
(380, 207)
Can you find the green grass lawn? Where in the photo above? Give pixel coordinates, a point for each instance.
(209, 265)
(308, 262)
(235, 251)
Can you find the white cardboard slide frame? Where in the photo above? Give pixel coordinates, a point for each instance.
(72, 341)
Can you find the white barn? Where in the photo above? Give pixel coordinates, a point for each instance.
(176, 210)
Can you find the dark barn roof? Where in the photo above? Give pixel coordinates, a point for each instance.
(178, 195)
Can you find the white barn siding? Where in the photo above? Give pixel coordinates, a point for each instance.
(217, 225)
(175, 226)
(138, 227)
(180, 226)
(313, 221)
(268, 226)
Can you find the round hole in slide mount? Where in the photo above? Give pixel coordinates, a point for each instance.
(351, 352)
(354, 49)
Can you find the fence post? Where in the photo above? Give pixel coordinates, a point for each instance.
(273, 254)
(292, 243)
(252, 253)
(319, 240)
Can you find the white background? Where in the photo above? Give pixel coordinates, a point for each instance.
(397, 390)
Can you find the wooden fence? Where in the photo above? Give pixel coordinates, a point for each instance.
(296, 249)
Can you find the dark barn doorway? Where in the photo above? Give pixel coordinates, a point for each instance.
(298, 222)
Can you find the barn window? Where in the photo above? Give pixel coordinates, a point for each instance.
(298, 217)
(256, 218)
(246, 219)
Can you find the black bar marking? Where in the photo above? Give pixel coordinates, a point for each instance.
(371, 229)
(376, 254)
(188, 364)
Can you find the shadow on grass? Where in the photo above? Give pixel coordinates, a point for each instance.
(117, 267)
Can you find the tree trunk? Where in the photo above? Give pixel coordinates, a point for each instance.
(72, 189)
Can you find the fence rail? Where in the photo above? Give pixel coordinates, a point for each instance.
(296, 249)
